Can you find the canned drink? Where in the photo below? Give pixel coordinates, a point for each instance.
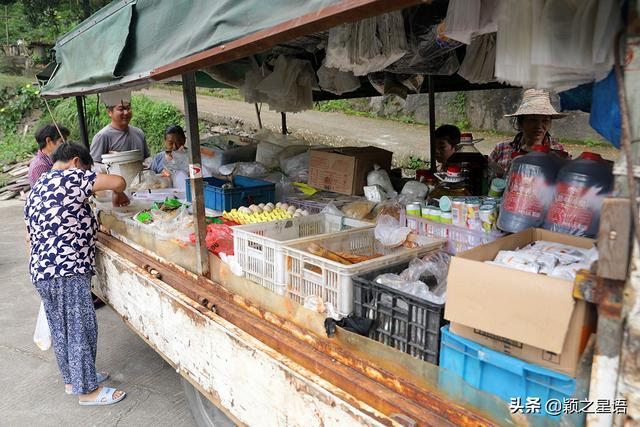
(473, 216)
(446, 217)
(425, 212)
(414, 209)
(435, 214)
(458, 212)
(488, 217)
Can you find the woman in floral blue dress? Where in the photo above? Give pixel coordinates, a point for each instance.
(62, 231)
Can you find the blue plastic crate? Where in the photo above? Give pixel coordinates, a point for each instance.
(505, 376)
(247, 191)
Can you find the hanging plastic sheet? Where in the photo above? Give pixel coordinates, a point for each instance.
(288, 88)
(577, 99)
(335, 81)
(605, 110)
(479, 61)
(555, 44)
(429, 52)
(468, 19)
(368, 45)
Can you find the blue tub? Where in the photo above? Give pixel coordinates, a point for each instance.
(247, 191)
(505, 376)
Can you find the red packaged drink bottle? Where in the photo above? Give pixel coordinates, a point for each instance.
(529, 190)
(580, 189)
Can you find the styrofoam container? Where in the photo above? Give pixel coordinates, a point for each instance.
(307, 274)
(258, 247)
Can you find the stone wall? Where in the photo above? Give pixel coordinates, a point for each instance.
(480, 110)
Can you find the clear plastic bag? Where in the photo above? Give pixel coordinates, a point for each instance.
(284, 186)
(294, 162)
(358, 209)
(389, 232)
(332, 209)
(179, 161)
(148, 180)
(380, 177)
(368, 45)
(42, 333)
(289, 87)
(175, 225)
(248, 169)
(413, 191)
(413, 280)
(429, 51)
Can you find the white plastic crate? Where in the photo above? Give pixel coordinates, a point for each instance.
(459, 239)
(308, 274)
(258, 247)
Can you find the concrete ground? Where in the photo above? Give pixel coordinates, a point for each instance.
(33, 393)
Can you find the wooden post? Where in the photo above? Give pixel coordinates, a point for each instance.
(195, 171)
(284, 123)
(432, 125)
(82, 121)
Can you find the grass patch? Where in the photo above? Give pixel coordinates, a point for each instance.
(587, 142)
(341, 106)
(12, 82)
(15, 147)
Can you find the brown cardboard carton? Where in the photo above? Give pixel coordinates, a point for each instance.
(530, 316)
(344, 170)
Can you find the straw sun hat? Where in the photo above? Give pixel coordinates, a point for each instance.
(536, 102)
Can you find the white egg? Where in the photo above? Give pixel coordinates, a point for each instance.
(268, 208)
(284, 206)
(305, 213)
(297, 215)
(262, 205)
(270, 205)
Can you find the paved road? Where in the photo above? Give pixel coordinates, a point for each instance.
(33, 393)
(337, 128)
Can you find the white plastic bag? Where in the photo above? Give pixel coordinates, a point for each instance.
(42, 334)
(336, 81)
(380, 177)
(389, 232)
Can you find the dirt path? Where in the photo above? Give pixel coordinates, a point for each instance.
(335, 128)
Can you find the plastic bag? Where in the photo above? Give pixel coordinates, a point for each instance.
(413, 191)
(358, 209)
(248, 169)
(331, 209)
(219, 239)
(175, 225)
(148, 180)
(380, 177)
(466, 20)
(315, 303)
(267, 154)
(429, 51)
(296, 166)
(42, 334)
(479, 61)
(284, 186)
(368, 45)
(336, 81)
(391, 208)
(179, 161)
(389, 232)
(289, 87)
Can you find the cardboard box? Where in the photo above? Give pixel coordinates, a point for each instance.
(344, 170)
(530, 316)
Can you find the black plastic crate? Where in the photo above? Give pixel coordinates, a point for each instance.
(402, 321)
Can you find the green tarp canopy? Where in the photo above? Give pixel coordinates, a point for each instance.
(123, 42)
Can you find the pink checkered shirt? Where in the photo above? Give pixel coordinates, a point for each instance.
(503, 151)
(40, 164)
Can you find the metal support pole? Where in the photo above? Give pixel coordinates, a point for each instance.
(195, 171)
(284, 123)
(82, 121)
(258, 114)
(432, 125)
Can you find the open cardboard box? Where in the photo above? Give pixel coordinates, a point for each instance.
(529, 316)
(344, 170)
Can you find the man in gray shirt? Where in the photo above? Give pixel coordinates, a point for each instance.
(118, 135)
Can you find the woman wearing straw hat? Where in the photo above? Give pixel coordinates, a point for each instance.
(533, 119)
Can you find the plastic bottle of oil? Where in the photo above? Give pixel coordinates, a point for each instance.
(473, 164)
